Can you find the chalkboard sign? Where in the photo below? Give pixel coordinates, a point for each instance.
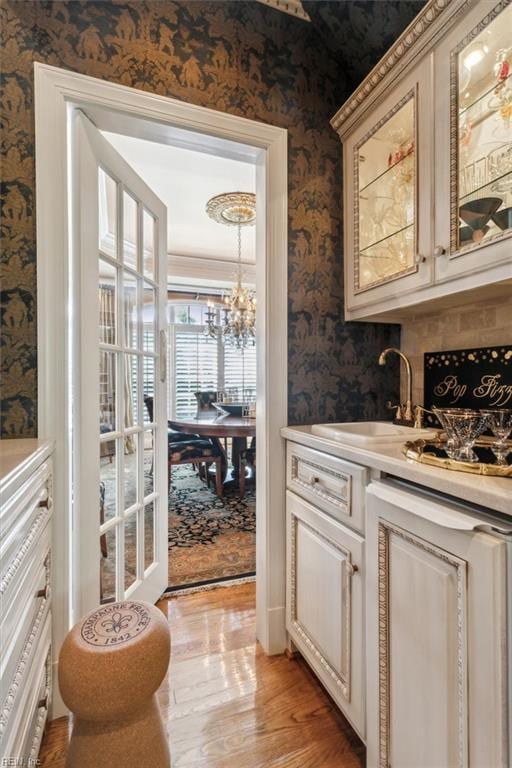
(468, 378)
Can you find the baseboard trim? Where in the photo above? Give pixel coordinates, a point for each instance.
(201, 586)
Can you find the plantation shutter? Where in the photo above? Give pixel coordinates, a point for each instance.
(239, 368)
(196, 368)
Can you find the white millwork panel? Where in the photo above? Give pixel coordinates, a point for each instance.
(436, 623)
(325, 580)
(26, 507)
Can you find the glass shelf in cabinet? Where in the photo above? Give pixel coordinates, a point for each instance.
(502, 184)
(386, 238)
(494, 88)
(387, 172)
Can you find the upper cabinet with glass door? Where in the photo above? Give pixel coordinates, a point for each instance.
(476, 60)
(385, 158)
(428, 162)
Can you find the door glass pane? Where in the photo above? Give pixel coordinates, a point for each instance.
(109, 468)
(385, 210)
(108, 301)
(149, 535)
(148, 318)
(148, 228)
(130, 470)
(130, 227)
(149, 462)
(483, 109)
(130, 310)
(108, 361)
(148, 381)
(108, 566)
(130, 550)
(107, 201)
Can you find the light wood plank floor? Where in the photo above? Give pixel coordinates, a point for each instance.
(228, 705)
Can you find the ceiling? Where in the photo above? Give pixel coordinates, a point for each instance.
(185, 180)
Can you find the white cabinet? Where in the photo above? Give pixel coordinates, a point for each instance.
(436, 628)
(473, 138)
(428, 163)
(25, 599)
(324, 602)
(388, 195)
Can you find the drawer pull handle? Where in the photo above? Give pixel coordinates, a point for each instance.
(43, 703)
(42, 593)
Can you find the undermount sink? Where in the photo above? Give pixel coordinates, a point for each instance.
(367, 433)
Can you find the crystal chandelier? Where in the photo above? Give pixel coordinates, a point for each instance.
(235, 209)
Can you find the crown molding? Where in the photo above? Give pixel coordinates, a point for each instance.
(432, 22)
(292, 7)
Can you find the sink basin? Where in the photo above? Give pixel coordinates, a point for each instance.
(368, 433)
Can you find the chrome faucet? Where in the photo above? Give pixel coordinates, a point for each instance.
(407, 413)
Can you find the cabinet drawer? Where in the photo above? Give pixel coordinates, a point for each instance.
(334, 485)
(324, 603)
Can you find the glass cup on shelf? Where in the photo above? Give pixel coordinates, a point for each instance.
(500, 424)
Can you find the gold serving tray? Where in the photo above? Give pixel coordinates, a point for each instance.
(417, 450)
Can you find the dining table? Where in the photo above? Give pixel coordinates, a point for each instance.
(217, 427)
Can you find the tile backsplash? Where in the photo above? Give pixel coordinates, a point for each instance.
(479, 324)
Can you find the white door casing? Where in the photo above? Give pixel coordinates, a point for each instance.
(143, 274)
(114, 107)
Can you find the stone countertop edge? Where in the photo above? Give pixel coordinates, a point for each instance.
(494, 493)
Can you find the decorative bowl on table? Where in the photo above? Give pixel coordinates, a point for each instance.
(476, 213)
(503, 218)
(238, 408)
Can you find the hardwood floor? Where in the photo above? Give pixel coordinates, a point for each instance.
(227, 705)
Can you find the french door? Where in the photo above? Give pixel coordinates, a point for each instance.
(119, 417)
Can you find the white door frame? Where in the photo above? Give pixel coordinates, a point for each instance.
(146, 115)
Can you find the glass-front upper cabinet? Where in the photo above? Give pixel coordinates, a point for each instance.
(476, 58)
(387, 156)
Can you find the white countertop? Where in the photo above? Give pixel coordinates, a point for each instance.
(491, 492)
(18, 458)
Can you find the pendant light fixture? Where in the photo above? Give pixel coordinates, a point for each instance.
(235, 209)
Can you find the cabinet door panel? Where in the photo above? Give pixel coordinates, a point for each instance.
(320, 563)
(436, 619)
(473, 164)
(388, 195)
(411, 568)
(324, 602)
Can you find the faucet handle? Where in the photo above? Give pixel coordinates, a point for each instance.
(392, 407)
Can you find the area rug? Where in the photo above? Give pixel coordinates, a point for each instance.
(209, 538)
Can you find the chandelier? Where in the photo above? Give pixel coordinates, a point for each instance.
(234, 209)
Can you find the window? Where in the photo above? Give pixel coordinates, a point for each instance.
(196, 362)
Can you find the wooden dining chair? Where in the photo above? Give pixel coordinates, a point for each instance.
(197, 452)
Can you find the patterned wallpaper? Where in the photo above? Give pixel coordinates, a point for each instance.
(239, 57)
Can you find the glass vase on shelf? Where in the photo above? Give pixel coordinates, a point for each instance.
(483, 111)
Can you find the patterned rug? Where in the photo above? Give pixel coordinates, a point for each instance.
(209, 538)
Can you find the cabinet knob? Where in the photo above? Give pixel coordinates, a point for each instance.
(439, 251)
(352, 568)
(42, 593)
(315, 480)
(419, 258)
